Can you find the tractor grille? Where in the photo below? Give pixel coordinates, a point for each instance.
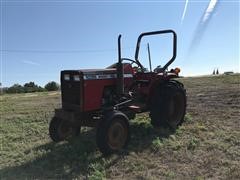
(71, 88)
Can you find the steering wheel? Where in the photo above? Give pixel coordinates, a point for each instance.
(139, 66)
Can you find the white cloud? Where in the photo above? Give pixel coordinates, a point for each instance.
(31, 63)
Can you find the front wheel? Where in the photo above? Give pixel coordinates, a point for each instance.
(112, 132)
(168, 106)
(60, 129)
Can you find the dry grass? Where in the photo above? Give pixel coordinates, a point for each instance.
(207, 145)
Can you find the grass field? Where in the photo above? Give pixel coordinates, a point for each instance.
(207, 145)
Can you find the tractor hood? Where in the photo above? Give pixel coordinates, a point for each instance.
(98, 71)
(90, 74)
(107, 73)
(91, 71)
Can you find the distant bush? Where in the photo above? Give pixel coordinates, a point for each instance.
(16, 88)
(29, 87)
(2, 89)
(32, 87)
(26, 88)
(52, 86)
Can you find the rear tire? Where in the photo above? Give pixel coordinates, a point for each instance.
(60, 129)
(112, 132)
(168, 105)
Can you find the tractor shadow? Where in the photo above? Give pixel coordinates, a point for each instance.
(65, 160)
(143, 134)
(74, 158)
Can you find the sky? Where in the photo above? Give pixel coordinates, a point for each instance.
(41, 38)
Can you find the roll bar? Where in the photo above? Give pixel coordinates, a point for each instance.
(157, 33)
(120, 78)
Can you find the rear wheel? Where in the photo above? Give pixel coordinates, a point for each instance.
(60, 129)
(112, 132)
(168, 106)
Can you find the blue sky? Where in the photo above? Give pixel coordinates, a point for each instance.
(41, 38)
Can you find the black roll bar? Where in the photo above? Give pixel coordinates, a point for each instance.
(157, 33)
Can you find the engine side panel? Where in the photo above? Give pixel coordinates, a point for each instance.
(93, 92)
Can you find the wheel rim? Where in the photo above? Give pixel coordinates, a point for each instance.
(176, 109)
(117, 135)
(64, 130)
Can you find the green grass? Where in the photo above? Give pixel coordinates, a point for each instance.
(207, 145)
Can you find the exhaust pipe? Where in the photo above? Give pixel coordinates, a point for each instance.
(120, 80)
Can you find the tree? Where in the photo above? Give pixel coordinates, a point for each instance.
(26, 88)
(31, 87)
(213, 72)
(16, 88)
(52, 86)
(1, 88)
(41, 89)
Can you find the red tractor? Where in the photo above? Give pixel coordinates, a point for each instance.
(108, 98)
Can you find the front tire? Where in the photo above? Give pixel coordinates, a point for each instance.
(60, 129)
(112, 132)
(168, 105)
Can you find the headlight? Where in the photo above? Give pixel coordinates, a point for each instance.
(76, 78)
(66, 77)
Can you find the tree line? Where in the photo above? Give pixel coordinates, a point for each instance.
(30, 87)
